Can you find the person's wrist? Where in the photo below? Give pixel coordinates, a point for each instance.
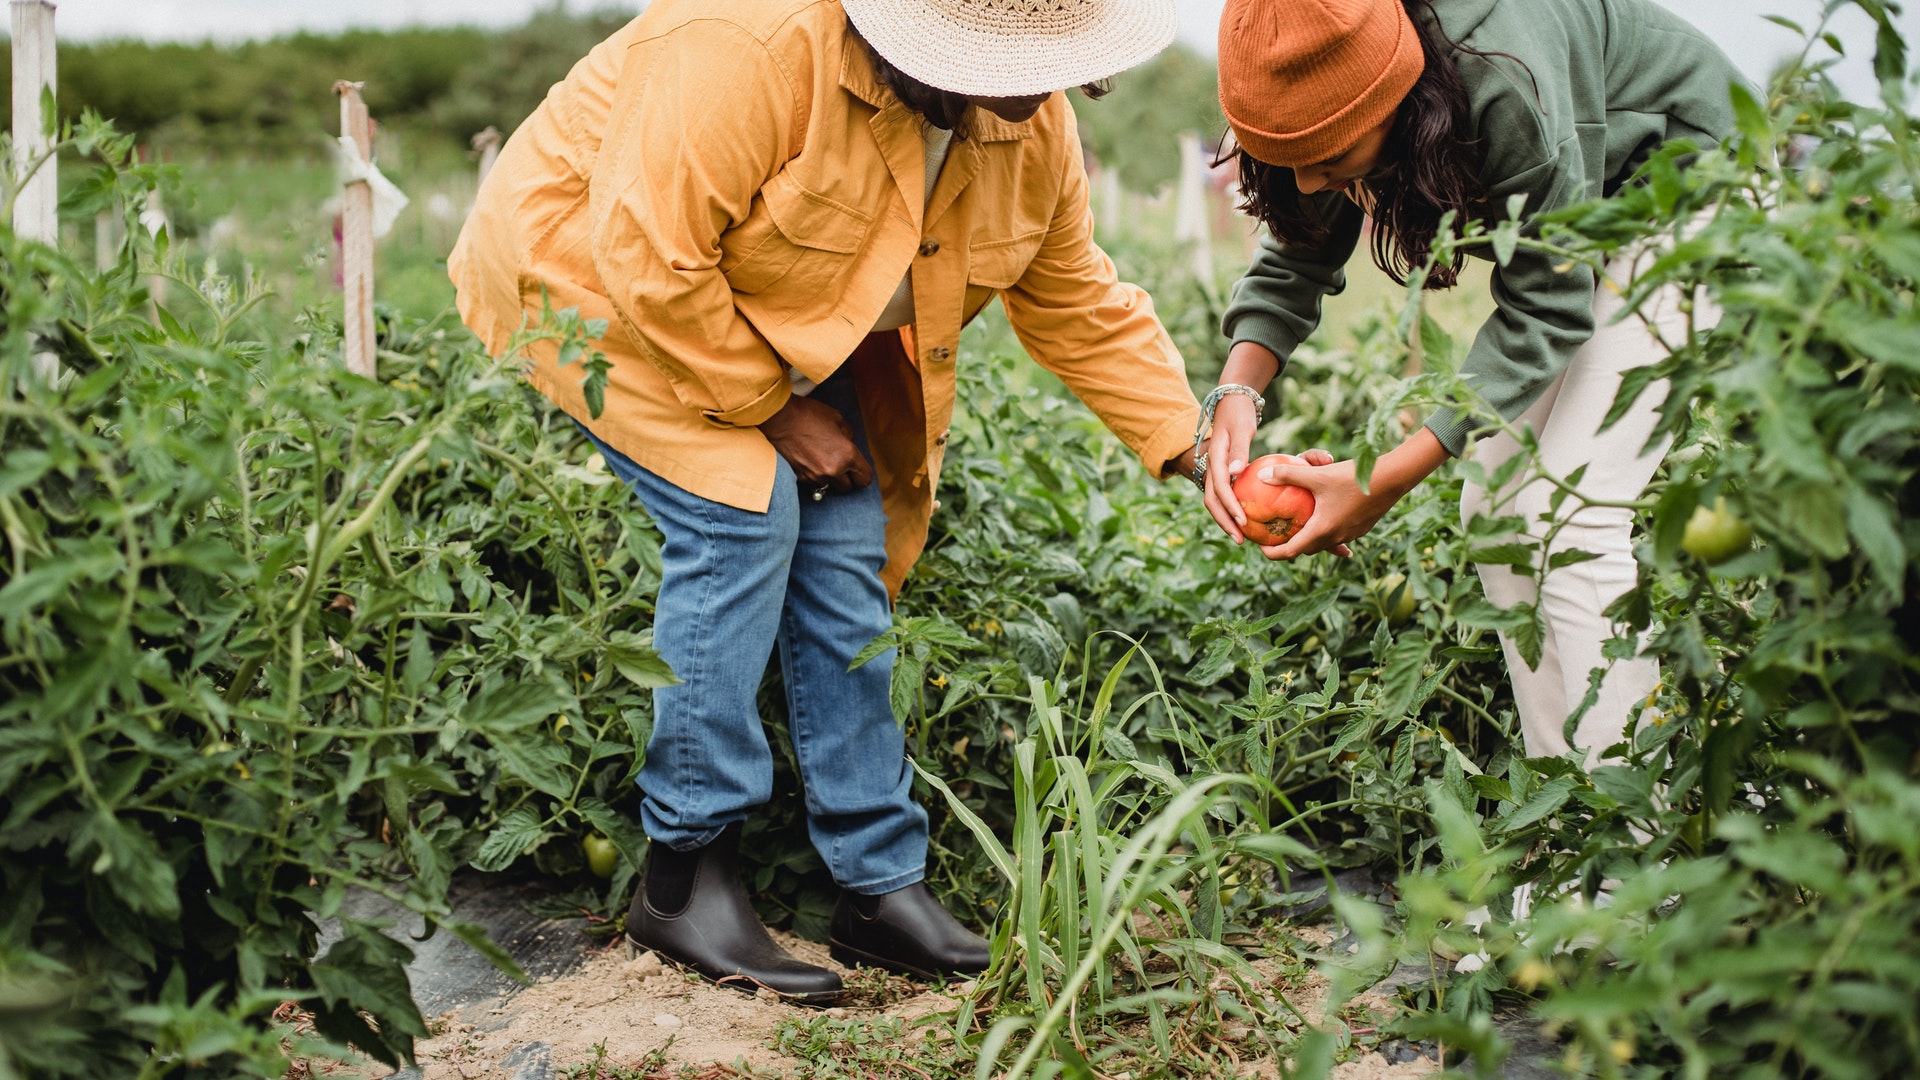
(1250, 364)
(1402, 469)
(1236, 405)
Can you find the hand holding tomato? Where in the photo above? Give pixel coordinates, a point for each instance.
(1342, 512)
(1271, 513)
(1247, 509)
(1233, 425)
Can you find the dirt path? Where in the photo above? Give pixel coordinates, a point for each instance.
(637, 1014)
(640, 1009)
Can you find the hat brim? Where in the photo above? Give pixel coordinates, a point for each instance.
(946, 55)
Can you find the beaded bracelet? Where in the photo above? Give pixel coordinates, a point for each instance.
(1205, 428)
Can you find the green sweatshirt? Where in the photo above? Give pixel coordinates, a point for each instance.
(1615, 79)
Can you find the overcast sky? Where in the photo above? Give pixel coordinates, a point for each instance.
(1736, 24)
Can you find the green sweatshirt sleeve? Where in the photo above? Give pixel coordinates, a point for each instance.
(1542, 314)
(1277, 303)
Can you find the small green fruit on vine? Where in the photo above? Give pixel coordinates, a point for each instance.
(1391, 597)
(602, 855)
(1715, 535)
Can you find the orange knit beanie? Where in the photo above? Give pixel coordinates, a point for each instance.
(1302, 80)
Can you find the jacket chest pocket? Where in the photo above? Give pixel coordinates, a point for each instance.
(996, 265)
(796, 240)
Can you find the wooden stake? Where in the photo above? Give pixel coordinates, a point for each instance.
(1109, 197)
(488, 144)
(356, 241)
(106, 242)
(154, 218)
(35, 51)
(1192, 225)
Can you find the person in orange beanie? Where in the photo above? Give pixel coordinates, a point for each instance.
(1410, 110)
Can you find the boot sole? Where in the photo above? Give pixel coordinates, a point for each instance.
(849, 956)
(743, 984)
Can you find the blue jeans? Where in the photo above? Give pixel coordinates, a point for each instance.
(804, 576)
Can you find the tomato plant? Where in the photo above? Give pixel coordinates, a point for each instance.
(272, 633)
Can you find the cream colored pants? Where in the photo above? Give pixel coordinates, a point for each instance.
(1619, 465)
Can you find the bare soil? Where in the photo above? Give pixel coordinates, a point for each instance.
(638, 1012)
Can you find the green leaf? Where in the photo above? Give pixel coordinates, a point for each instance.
(1750, 116)
(41, 584)
(131, 864)
(1514, 554)
(1214, 664)
(518, 833)
(476, 936)
(21, 468)
(903, 687)
(512, 707)
(1875, 531)
(874, 648)
(938, 631)
(420, 664)
(540, 764)
(1545, 803)
(365, 971)
(634, 657)
(1402, 671)
(1506, 239)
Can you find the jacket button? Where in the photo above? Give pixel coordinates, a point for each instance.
(940, 353)
(942, 440)
(929, 248)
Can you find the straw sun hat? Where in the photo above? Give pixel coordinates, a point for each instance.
(1013, 48)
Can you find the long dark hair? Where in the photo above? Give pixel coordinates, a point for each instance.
(1428, 167)
(941, 108)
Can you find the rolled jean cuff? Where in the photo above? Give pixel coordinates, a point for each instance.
(892, 884)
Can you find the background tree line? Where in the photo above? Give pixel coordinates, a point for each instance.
(274, 97)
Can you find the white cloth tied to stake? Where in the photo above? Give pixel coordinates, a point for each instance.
(388, 200)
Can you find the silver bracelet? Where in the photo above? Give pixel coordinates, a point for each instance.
(1204, 429)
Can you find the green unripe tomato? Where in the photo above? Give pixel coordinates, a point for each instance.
(602, 855)
(1715, 535)
(1392, 598)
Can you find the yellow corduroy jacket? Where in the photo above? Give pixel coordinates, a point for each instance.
(731, 187)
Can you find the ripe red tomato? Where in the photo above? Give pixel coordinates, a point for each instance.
(1274, 511)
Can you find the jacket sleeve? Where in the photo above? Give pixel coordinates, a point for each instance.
(1542, 313)
(1077, 319)
(1276, 304)
(702, 118)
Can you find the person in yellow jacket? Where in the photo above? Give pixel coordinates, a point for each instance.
(786, 210)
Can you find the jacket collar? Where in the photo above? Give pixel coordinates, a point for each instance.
(859, 78)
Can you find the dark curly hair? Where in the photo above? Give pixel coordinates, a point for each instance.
(941, 108)
(1427, 169)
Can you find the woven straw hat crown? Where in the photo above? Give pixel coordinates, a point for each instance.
(1302, 80)
(1013, 48)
